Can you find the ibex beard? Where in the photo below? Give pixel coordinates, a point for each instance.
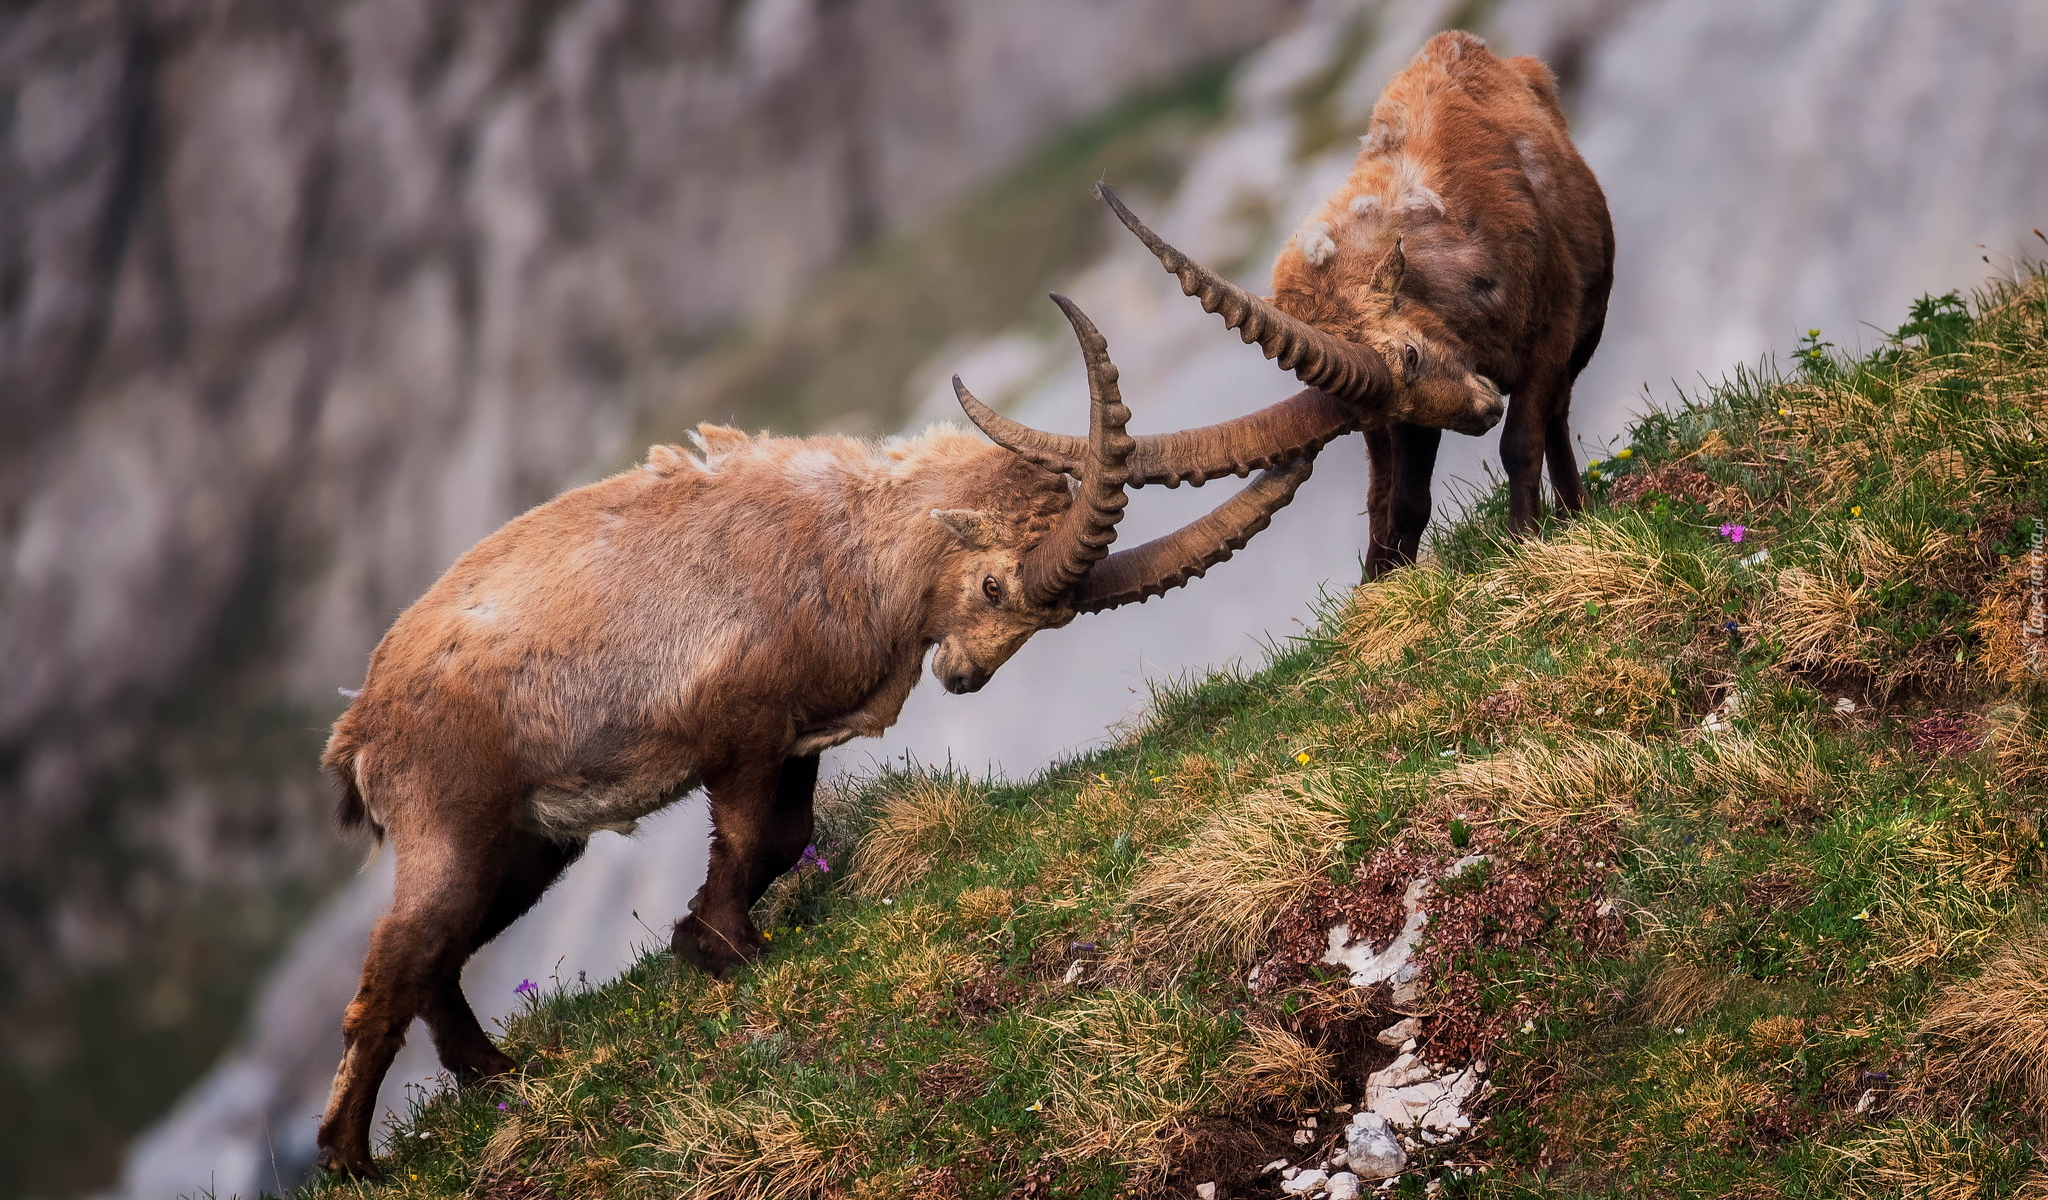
(713, 619)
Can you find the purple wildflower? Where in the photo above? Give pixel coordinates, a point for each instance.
(501, 1106)
(815, 860)
(1733, 533)
(526, 987)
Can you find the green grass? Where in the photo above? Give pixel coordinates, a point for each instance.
(1735, 937)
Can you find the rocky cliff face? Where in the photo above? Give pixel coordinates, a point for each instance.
(299, 299)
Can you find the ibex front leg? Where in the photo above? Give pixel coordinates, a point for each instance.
(760, 820)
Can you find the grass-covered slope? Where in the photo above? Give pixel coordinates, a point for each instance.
(1755, 747)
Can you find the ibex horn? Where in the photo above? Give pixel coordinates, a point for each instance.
(1342, 368)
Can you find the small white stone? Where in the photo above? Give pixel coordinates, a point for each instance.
(1205, 1191)
(1278, 1164)
(1845, 705)
(1303, 1137)
(1868, 1098)
(1371, 1149)
(1343, 1186)
(1305, 1182)
(1408, 1047)
(1400, 1031)
(1288, 1172)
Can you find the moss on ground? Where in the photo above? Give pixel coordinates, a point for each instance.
(1756, 748)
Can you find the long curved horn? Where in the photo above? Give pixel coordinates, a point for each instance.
(1160, 565)
(1301, 424)
(1342, 368)
(1082, 538)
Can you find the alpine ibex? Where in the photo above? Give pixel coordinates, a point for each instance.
(715, 620)
(1470, 247)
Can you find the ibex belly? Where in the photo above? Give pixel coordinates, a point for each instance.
(566, 814)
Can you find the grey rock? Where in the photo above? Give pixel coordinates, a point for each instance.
(1370, 1148)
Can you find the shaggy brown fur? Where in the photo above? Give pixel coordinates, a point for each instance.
(606, 653)
(716, 620)
(1469, 236)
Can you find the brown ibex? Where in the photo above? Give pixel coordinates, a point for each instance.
(716, 621)
(1470, 247)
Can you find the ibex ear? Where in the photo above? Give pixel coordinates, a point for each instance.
(1386, 277)
(975, 528)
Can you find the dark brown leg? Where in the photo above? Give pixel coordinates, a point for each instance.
(790, 825)
(1564, 467)
(444, 890)
(1521, 452)
(1379, 503)
(532, 864)
(1415, 449)
(760, 820)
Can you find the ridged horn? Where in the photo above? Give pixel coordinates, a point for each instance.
(1301, 424)
(1345, 369)
(1138, 574)
(1081, 539)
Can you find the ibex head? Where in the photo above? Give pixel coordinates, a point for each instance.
(1360, 343)
(1009, 576)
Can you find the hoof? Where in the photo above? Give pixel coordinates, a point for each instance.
(484, 1070)
(352, 1166)
(704, 948)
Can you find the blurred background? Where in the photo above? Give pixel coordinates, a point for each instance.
(298, 299)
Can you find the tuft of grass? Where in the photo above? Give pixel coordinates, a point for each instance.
(1220, 892)
(911, 828)
(1990, 1031)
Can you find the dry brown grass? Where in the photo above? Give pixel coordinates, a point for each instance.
(1913, 1159)
(1395, 612)
(2009, 649)
(979, 906)
(1680, 989)
(1586, 780)
(2018, 737)
(1775, 1035)
(1252, 856)
(1120, 1066)
(1992, 1029)
(1272, 1066)
(1944, 887)
(1617, 565)
(1817, 615)
(912, 827)
(753, 1148)
(1748, 770)
(1827, 623)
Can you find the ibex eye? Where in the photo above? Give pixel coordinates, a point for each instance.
(1413, 358)
(991, 589)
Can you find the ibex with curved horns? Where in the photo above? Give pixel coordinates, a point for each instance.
(1470, 247)
(717, 621)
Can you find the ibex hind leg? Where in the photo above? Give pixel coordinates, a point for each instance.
(532, 864)
(444, 891)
